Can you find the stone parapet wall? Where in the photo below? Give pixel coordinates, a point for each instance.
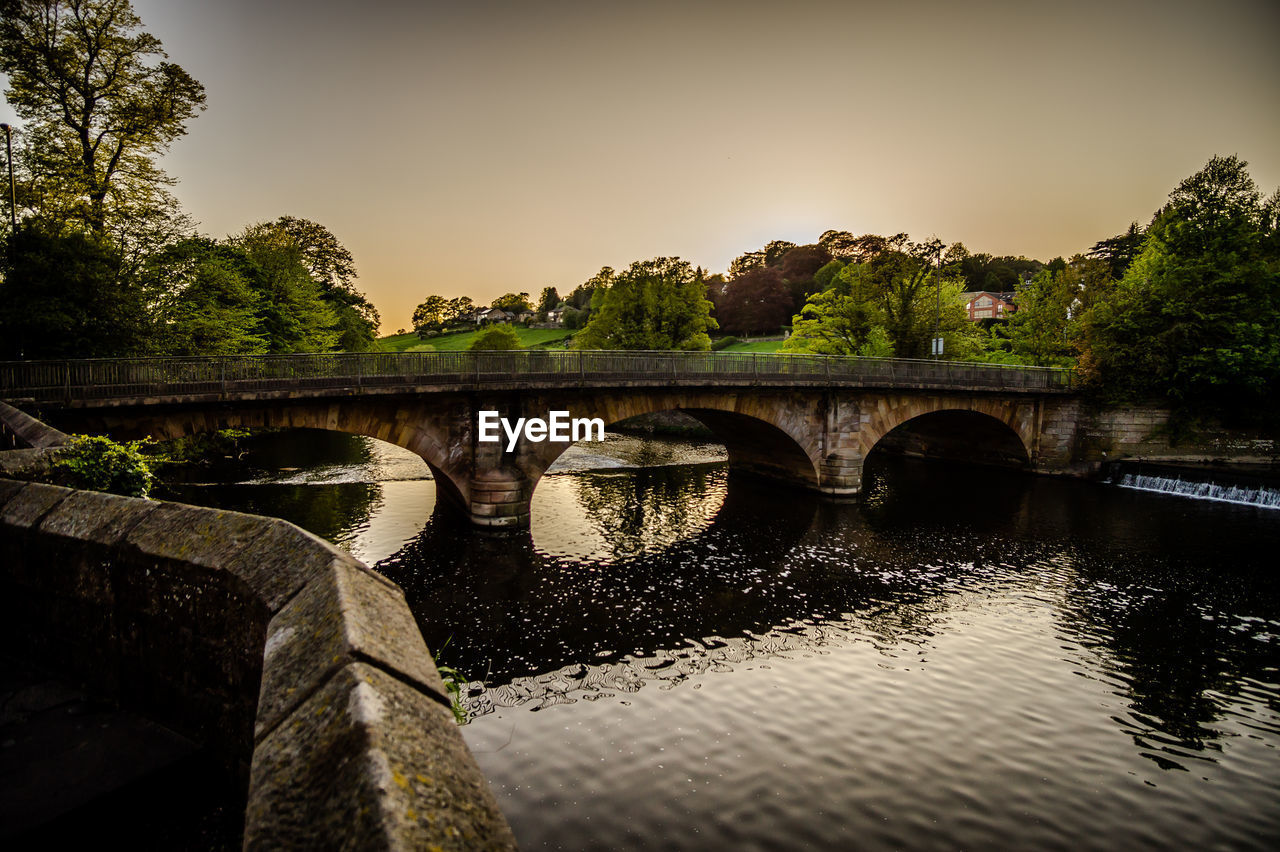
(299, 667)
(19, 430)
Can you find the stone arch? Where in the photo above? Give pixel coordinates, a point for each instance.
(409, 427)
(1009, 417)
(762, 433)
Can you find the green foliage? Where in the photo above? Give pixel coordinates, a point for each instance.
(1039, 329)
(293, 315)
(889, 305)
(208, 305)
(548, 301)
(100, 464)
(654, 304)
(430, 315)
(453, 685)
(1196, 317)
(512, 302)
(573, 319)
(724, 343)
(64, 295)
(824, 277)
(100, 104)
(500, 336)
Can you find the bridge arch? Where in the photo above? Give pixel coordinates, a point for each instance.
(760, 437)
(985, 430)
(408, 429)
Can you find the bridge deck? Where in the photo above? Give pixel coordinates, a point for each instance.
(128, 380)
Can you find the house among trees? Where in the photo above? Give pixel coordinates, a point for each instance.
(489, 315)
(988, 305)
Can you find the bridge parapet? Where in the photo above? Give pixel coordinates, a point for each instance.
(102, 381)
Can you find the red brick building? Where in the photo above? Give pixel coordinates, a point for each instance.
(987, 305)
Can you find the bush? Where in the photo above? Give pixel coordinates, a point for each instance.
(723, 343)
(98, 463)
(496, 337)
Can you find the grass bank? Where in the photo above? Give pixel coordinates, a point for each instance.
(530, 338)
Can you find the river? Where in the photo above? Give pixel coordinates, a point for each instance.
(961, 658)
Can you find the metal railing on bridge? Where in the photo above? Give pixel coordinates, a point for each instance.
(65, 382)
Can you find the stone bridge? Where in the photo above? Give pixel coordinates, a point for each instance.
(805, 420)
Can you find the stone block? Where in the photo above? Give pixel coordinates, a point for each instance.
(97, 518)
(347, 614)
(274, 559)
(9, 489)
(368, 762)
(26, 508)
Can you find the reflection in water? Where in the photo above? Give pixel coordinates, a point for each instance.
(962, 658)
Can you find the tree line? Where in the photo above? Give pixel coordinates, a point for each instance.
(1185, 310)
(103, 261)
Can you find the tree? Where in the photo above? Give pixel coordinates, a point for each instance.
(1119, 251)
(100, 105)
(499, 336)
(512, 302)
(891, 303)
(459, 310)
(547, 301)
(1039, 329)
(333, 269)
(293, 315)
(1195, 317)
(841, 320)
(654, 304)
(207, 305)
(430, 315)
(758, 300)
(64, 296)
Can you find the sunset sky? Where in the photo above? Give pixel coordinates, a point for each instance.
(479, 148)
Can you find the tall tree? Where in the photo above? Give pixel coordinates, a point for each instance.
(207, 304)
(1039, 329)
(100, 105)
(293, 315)
(431, 315)
(1195, 318)
(548, 301)
(758, 300)
(63, 296)
(333, 269)
(1119, 251)
(513, 302)
(654, 304)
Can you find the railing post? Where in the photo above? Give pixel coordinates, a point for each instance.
(582, 371)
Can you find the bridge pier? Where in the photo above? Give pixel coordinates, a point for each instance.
(840, 474)
(500, 499)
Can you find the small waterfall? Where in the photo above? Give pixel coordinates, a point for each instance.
(1247, 495)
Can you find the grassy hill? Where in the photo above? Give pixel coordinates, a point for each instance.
(530, 338)
(755, 346)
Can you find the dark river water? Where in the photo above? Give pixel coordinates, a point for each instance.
(961, 658)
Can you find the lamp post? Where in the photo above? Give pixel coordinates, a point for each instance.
(13, 196)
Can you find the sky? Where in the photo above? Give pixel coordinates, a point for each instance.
(480, 148)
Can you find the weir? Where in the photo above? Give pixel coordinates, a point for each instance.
(1187, 485)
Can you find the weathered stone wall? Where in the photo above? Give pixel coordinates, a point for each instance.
(1080, 437)
(303, 670)
(19, 430)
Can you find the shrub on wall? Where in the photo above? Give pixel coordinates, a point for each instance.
(97, 463)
